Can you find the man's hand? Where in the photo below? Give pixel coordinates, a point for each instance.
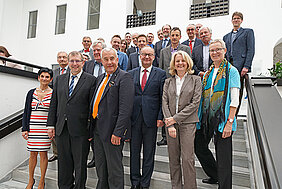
(160, 123)
(227, 130)
(244, 71)
(115, 140)
(51, 133)
(25, 135)
(169, 121)
(172, 132)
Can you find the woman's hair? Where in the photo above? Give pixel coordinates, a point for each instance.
(47, 70)
(126, 46)
(5, 51)
(186, 58)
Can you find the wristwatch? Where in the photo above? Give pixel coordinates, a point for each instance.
(230, 120)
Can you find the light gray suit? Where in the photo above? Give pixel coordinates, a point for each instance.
(186, 119)
(165, 57)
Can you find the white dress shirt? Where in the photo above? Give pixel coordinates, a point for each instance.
(76, 79)
(142, 73)
(179, 83)
(206, 55)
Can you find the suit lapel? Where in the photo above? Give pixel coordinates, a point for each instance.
(79, 84)
(66, 82)
(151, 76)
(238, 34)
(137, 78)
(111, 82)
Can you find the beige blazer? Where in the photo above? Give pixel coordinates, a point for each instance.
(189, 99)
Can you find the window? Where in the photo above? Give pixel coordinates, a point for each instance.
(208, 8)
(93, 14)
(144, 14)
(32, 23)
(61, 19)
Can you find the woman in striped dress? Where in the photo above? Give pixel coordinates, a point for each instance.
(34, 128)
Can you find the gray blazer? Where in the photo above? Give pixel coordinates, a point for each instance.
(189, 99)
(56, 73)
(165, 57)
(90, 53)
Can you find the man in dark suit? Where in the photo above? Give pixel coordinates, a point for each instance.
(164, 42)
(146, 118)
(95, 67)
(62, 59)
(111, 109)
(164, 62)
(68, 118)
(134, 60)
(192, 41)
(200, 54)
(132, 48)
(240, 44)
(86, 42)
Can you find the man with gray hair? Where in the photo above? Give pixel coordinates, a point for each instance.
(111, 109)
(200, 55)
(192, 41)
(86, 42)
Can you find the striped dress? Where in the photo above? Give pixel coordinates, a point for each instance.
(38, 139)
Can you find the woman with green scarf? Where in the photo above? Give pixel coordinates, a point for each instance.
(219, 101)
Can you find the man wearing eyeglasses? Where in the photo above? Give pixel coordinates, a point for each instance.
(68, 118)
(200, 55)
(146, 117)
(192, 41)
(86, 42)
(240, 44)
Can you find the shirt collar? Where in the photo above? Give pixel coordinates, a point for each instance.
(78, 75)
(177, 77)
(148, 69)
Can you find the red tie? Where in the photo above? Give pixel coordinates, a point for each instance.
(86, 50)
(63, 70)
(144, 79)
(190, 45)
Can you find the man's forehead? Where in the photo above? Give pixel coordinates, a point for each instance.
(62, 54)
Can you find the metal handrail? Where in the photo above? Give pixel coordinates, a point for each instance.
(20, 62)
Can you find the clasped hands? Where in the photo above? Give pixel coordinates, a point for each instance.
(171, 129)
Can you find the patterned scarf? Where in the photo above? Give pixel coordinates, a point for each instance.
(213, 101)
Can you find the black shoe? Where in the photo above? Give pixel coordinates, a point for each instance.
(135, 187)
(32, 184)
(210, 181)
(53, 158)
(144, 187)
(91, 163)
(162, 142)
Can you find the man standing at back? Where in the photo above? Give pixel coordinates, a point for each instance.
(62, 59)
(164, 42)
(146, 118)
(122, 57)
(68, 118)
(192, 41)
(133, 47)
(111, 109)
(164, 62)
(86, 42)
(240, 44)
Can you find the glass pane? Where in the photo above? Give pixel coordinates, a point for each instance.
(93, 21)
(94, 6)
(61, 12)
(32, 17)
(60, 27)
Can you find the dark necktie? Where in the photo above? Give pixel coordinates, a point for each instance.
(164, 43)
(100, 68)
(71, 84)
(144, 79)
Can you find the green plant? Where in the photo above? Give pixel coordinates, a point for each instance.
(276, 70)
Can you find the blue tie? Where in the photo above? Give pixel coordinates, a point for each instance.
(164, 43)
(71, 84)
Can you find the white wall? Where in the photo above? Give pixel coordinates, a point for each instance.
(263, 16)
(13, 152)
(13, 92)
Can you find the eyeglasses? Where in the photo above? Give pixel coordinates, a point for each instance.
(192, 29)
(147, 54)
(86, 41)
(75, 61)
(216, 50)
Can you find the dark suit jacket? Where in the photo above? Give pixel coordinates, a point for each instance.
(115, 107)
(73, 109)
(158, 47)
(148, 102)
(197, 57)
(131, 50)
(133, 61)
(165, 57)
(56, 73)
(196, 43)
(243, 48)
(89, 66)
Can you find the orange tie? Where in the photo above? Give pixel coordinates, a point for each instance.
(96, 104)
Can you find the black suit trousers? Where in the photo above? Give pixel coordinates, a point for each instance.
(72, 157)
(108, 161)
(146, 136)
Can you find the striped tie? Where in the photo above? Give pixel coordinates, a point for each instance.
(71, 84)
(96, 104)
